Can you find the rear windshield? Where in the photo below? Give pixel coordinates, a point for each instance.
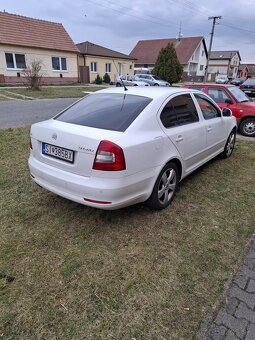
(108, 111)
(249, 82)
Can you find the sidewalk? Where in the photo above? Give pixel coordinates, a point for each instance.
(235, 320)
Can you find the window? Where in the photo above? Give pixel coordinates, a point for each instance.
(59, 64)
(199, 88)
(203, 52)
(109, 111)
(93, 66)
(108, 68)
(15, 60)
(179, 111)
(209, 111)
(218, 95)
(201, 67)
(130, 67)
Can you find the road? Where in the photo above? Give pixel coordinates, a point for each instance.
(15, 113)
(18, 112)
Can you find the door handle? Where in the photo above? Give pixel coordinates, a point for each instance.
(209, 129)
(179, 139)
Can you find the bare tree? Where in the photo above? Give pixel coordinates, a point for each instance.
(33, 74)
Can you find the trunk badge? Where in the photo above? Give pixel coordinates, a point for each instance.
(54, 136)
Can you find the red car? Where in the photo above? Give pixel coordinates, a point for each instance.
(243, 108)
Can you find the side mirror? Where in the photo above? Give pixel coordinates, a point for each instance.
(228, 101)
(226, 112)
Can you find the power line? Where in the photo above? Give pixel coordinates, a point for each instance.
(132, 15)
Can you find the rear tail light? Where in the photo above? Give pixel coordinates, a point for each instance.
(109, 157)
(241, 86)
(30, 143)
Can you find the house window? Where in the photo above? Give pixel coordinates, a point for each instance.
(130, 67)
(108, 68)
(203, 52)
(15, 60)
(59, 64)
(93, 66)
(201, 67)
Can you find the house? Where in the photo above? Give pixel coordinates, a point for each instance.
(223, 62)
(191, 53)
(95, 59)
(23, 40)
(246, 71)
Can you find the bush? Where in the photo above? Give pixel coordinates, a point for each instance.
(106, 78)
(98, 80)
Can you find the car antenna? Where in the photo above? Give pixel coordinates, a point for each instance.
(125, 88)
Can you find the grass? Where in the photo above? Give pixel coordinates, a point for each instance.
(82, 273)
(48, 92)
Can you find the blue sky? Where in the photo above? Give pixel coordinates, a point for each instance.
(120, 24)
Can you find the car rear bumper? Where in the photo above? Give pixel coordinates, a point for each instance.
(108, 193)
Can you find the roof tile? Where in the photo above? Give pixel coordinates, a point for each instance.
(23, 31)
(147, 51)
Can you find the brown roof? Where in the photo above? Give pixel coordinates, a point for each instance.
(147, 51)
(23, 31)
(89, 48)
(251, 69)
(223, 54)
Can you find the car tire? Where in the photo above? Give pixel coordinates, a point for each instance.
(118, 84)
(156, 84)
(135, 85)
(230, 144)
(164, 188)
(247, 127)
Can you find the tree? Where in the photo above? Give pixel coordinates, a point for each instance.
(106, 78)
(167, 65)
(33, 74)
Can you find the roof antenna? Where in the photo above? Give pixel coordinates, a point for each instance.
(180, 35)
(125, 88)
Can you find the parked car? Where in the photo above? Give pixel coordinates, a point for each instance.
(222, 79)
(152, 80)
(248, 86)
(236, 81)
(130, 81)
(114, 148)
(230, 96)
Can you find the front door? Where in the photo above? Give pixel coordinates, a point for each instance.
(215, 126)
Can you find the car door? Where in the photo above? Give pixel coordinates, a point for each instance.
(215, 126)
(222, 98)
(185, 129)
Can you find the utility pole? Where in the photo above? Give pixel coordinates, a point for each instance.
(210, 45)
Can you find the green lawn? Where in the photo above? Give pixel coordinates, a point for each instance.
(48, 92)
(82, 273)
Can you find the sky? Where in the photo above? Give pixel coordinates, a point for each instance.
(119, 25)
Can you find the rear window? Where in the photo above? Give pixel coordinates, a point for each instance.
(108, 111)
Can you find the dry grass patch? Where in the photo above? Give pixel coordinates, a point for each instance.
(86, 273)
(50, 92)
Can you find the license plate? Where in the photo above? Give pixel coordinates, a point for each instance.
(57, 152)
(247, 91)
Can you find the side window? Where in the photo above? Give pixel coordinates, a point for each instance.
(179, 111)
(218, 95)
(209, 111)
(199, 88)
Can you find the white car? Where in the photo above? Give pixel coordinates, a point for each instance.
(117, 147)
(130, 81)
(152, 80)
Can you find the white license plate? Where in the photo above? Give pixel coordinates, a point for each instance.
(247, 91)
(57, 152)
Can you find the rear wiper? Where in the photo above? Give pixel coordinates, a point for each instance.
(244, 101)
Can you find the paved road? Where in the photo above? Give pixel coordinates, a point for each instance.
(19, 112)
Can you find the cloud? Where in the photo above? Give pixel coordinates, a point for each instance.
(119, 25)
